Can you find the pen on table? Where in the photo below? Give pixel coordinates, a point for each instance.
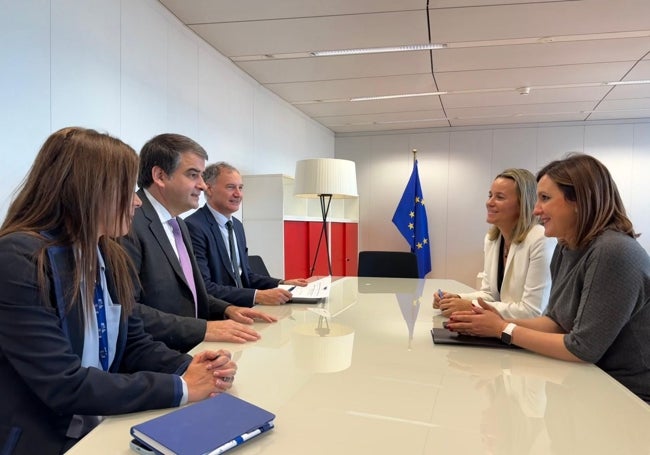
(291, 288)
(241, 439)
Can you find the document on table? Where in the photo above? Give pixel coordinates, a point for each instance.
(314, 292)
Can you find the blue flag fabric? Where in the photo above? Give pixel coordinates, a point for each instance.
(410, 218)
(409, 305)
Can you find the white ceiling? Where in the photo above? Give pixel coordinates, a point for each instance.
(564, 50)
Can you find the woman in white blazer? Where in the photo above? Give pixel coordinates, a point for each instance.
(516, 278)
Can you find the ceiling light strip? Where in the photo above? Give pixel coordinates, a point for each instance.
(495, 90)
(628, 82)
(550, 39)
(379, 50)
(404, 95)
(457, 45)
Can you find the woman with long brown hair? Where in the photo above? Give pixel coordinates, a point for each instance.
(599, 307)
(70, 351)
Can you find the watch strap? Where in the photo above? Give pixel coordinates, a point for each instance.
(506, 335)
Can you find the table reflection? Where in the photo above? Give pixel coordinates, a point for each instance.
(323, 346)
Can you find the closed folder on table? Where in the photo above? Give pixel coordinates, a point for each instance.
(212, 426)
(444, 336)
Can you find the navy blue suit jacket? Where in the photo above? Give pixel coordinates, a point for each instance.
(214, 262)
(41, 345)
(167, 302)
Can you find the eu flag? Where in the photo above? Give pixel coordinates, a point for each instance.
(411, 221)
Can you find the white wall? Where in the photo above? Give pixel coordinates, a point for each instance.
(130, 68)
(457, 167)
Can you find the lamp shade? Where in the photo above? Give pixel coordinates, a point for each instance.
(326, 176)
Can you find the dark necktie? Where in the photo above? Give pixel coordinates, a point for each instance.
(184, 258)
(100, 311)
(233, 254)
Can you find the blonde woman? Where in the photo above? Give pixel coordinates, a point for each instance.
(599, 308)
(516, 278)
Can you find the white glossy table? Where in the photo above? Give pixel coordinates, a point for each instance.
(371, 381)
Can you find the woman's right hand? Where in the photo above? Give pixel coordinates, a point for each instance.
(208, 374)
(482, 321)
(442, 295)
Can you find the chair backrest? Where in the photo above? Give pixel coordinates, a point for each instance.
(391, 264)
(257, 265)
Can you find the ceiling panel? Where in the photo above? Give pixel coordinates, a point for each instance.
(215, 11)
(535, 97)
(640, 71)
(423, 103)
(362, 87)
(638, 92)
(395, 126)
(577, 107)
(542, 54)
(344, 67)
(620, 114)
(507, 120)
(538, 19)
(401, 117)
(565, 50)
(535, 76)
(316, 33)
(629, 104)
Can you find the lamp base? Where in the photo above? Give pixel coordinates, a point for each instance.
(325, 201)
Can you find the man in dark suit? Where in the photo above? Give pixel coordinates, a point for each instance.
(175, 306)
(226, 272)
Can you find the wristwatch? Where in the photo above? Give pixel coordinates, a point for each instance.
(506, 335)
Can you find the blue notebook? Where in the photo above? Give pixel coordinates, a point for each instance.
(211, 426)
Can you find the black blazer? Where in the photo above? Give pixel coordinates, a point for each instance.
(167, 304)
(41, 375)
(214, 262)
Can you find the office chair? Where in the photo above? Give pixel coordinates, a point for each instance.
(257, 265)
(388, 264)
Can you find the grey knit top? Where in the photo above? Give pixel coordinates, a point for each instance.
(600, 296)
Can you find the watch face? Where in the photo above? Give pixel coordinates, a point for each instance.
(506, 338)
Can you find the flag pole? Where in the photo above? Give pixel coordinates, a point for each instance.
(415, 154)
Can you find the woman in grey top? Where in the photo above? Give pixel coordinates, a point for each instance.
(599, 307)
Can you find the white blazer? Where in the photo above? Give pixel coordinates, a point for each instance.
(526, 278)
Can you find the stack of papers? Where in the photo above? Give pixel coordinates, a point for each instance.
(315, 291)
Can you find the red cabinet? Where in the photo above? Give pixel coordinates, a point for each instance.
(345, 248)
(301, 243)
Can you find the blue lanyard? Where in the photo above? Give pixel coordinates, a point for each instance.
(100, 311)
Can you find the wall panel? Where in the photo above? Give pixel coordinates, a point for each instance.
(85, 64)
(24, 89)
(457, 167)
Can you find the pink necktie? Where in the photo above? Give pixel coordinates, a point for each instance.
(184, 258)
